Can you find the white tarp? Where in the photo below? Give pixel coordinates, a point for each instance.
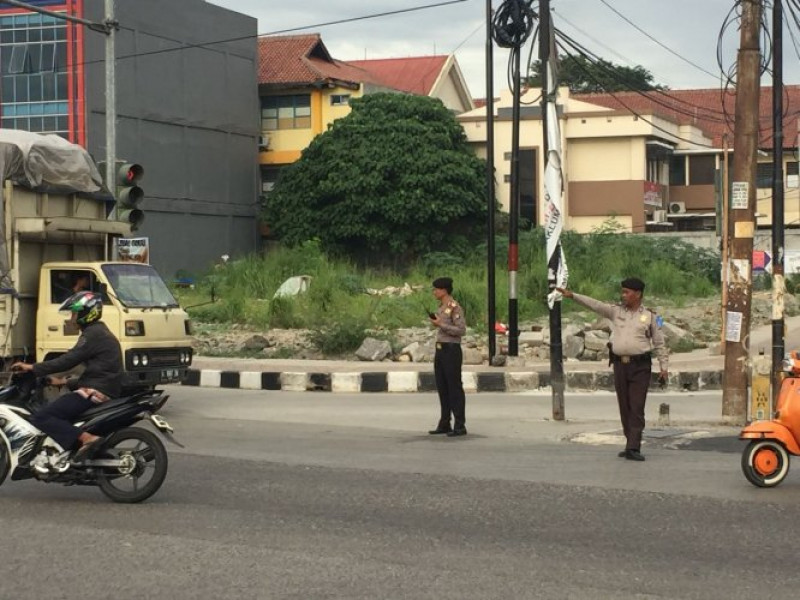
(553, 184)
(36, 160)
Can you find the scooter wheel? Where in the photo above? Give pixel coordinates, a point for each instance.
(765, 463)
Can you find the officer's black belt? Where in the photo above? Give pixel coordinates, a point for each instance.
(636, 358)
(441, 344)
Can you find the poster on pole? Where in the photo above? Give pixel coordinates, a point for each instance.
(733, 326)
(133, 250)
(740, 190)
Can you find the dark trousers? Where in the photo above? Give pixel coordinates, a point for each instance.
(632, 380)
(56, 418)
(447, 368)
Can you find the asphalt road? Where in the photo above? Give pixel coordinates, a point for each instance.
(325, 496)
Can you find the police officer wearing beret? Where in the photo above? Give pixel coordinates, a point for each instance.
(635, 336)
(449, 320)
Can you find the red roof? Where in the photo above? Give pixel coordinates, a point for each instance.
(415, 75)
(711, 110)
(298, 60)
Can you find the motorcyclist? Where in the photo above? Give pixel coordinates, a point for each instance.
(99, 351)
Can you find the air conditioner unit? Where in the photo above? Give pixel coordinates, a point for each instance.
(263, 142)
(677, 207)
(659, 216)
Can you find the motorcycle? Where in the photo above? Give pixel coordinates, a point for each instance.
(765, 460)
(128, 465)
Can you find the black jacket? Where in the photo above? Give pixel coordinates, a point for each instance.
(99, 350)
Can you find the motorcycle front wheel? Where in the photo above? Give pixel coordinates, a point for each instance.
(765, 463)
(143, 469)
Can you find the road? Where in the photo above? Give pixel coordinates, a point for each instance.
(291, 495)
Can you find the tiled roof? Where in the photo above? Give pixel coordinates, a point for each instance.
(415, 75)
(302, 60)
(711, 110)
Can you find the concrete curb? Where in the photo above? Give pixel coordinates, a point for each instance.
(424, 381)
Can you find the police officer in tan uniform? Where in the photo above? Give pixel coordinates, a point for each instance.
(449, 320)
(635, 336)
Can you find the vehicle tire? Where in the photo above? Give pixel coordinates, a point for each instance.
(145, 468)
(5, 462)
(765, 463)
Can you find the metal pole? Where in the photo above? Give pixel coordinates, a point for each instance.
(742, 216)
(513, 221)
(726, 177)
(111, 97)
(548, 95)
(490, 184)
(778, 281)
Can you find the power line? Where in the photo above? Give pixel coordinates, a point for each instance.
(650, 37)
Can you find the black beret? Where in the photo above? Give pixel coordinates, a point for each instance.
(443, 283)
(633, 283)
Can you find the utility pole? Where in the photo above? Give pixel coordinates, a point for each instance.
(742, 216)
(778, 281)
(490, 197)
(513, 218)
(111, 99)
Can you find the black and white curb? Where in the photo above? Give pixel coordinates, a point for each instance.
(424, 381)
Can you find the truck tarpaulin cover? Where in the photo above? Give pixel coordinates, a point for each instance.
(45, 163)
(39, 161)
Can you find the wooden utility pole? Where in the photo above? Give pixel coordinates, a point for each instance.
(742, 216)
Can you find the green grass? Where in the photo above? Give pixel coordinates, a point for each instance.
(339, 311)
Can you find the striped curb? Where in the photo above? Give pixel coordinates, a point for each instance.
(424, 381)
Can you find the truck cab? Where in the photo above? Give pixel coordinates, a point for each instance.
(138, 308)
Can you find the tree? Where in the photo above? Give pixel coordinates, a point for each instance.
(394, 178)
(582, 74)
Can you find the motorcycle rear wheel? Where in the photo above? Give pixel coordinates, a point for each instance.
(765, 463)
(144, 470)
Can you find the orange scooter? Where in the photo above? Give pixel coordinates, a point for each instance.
(765, 460)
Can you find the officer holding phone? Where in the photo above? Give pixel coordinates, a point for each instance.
(449, 320)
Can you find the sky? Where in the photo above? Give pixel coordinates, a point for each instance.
(676, 40)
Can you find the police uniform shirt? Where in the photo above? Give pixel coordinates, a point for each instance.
(634, 331)
(451, 322)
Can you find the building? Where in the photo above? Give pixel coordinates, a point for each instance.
(187, 110)
(303, 89)
(648, 160)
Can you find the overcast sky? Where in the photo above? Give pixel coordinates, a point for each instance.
(689, 30)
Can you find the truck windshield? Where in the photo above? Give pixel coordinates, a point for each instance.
(138, 286)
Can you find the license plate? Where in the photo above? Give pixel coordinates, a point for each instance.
(170, 374)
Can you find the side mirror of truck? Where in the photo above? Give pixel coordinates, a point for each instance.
(102, 288)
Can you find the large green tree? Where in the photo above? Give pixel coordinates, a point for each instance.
(393, 179)
(581, 74)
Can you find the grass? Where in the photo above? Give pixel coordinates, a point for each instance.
(338, 309)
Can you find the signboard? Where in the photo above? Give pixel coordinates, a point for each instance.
(134, 250)
(652, 194)
(761, 260)
(739, 193)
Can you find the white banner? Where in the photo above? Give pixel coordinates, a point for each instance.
(553, 181)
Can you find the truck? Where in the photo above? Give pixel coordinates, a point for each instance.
(61, 238)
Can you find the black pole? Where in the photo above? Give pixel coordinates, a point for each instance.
(490, 183)
(548, 95)
(778, 283)
(513, 221)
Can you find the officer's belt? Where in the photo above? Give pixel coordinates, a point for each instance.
(636, 358)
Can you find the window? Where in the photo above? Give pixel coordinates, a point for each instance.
(701, 169)
(340, 99)
(286, 112)
(792, 172)
(65, 282)
(764, 175)
(677, 170)
(33, 73)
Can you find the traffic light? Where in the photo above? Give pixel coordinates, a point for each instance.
(129, 194)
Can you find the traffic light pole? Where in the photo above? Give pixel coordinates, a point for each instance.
(111, 99)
